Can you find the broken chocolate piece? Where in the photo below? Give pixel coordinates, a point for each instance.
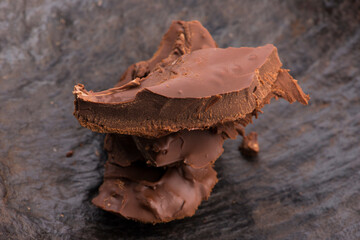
(195, 148)
(147, 195)
(179, 96)
(287, 88)
(177, 108)
(250, 146)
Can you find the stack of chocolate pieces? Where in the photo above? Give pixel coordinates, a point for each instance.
(167, 119)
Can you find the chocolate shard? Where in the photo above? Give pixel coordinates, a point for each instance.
(178, 96)
(250, 146)
(287, 88)
(181, 38)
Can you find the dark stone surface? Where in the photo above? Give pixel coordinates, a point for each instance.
(305, 184)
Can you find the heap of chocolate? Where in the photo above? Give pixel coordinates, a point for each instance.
(168, 117)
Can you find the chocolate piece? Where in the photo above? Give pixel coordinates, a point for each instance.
(178, 108)
(250, 146)
(201, 89)
(154, 195)
(196, 148)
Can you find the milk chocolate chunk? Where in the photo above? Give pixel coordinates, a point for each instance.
(154, 195)
(138, 190)
(196, 148)
(286, 87)
(168, 117)
(198, 90)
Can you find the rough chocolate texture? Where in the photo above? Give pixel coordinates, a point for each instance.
(303, 183)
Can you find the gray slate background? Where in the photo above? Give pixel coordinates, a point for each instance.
(305, 184)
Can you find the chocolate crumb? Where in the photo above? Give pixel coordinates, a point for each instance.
(69, 153)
